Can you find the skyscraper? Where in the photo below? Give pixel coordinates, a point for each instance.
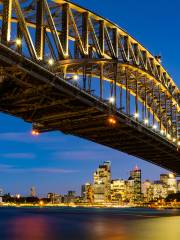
(102, 183)
(87, 193)
(136, 176)
(118, 190)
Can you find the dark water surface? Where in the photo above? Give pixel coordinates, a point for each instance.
(89, 224)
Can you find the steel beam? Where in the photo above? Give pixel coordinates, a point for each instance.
(6, 21)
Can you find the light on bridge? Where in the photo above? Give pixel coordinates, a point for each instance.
(162, 131)
(51, 61)
(146, 121)
(111, 100)
(75, 77)
(178, 143)
(111, 120)
(18, 42)
(174, 140)
(154, 126)
(35, 132)
(136, 115)
(168, 136)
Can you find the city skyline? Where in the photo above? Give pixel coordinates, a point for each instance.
(94, 179)
(51, 159)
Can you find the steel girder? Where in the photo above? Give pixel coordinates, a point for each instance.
(78, 41)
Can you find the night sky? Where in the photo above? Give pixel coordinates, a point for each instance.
(57, 162)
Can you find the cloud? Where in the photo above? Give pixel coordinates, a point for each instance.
(18, 155)
(26, 137)
(89, 155)
(11, 169)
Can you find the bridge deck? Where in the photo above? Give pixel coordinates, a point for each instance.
(36, 95)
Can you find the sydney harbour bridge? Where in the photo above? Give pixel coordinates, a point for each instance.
(63, 67)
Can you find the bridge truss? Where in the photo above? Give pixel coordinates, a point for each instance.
(65, 68)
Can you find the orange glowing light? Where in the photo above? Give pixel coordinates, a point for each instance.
(41, 203)
(112, 120)
(35, 132)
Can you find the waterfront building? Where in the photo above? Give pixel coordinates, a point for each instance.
(102, 183)
(164, 178)
(33, 192)
(135, 174)
(70, 197)
(54, 198)
(87, 193)
(146, 190)
(172, 183)
(129, 190)
(118, 191)
(157, 190)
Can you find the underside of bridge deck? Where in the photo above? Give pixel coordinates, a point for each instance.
(50, 103)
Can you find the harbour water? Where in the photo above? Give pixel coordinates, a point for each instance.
(89, 224)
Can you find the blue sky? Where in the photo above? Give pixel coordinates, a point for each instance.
(57, 162)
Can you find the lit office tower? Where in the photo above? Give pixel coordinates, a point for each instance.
(118, 191)
(136, 176)
(172, 183)
(102, 183)
(164, 178)
(87, 193)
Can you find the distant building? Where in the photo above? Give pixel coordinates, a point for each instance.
(70, 197)
(118, 191)
(136, 176)
(172, 183)
(146, 190)
(164, 178)
(87, 193)
(33, 192)
(55, 198)
(102, 183)
(1, 192)
(158, 190)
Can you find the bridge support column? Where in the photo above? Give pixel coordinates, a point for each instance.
(6, 21)
(65, 28)
(40, 34)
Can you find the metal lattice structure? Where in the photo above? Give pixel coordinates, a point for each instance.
(59, 63)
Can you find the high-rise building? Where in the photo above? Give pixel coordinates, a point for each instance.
(164, 178)
(102, 183)
(130, 190)
(145, 190)
(55, 198)
(136, 176)
(158, 190)
(172, 183)
(87, 193)
(118, 191)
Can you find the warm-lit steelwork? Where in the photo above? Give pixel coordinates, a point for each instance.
(44, 44)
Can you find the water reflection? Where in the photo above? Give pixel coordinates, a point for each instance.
(88, 224)
(29, 228)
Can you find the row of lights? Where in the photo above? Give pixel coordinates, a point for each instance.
(146, 121)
